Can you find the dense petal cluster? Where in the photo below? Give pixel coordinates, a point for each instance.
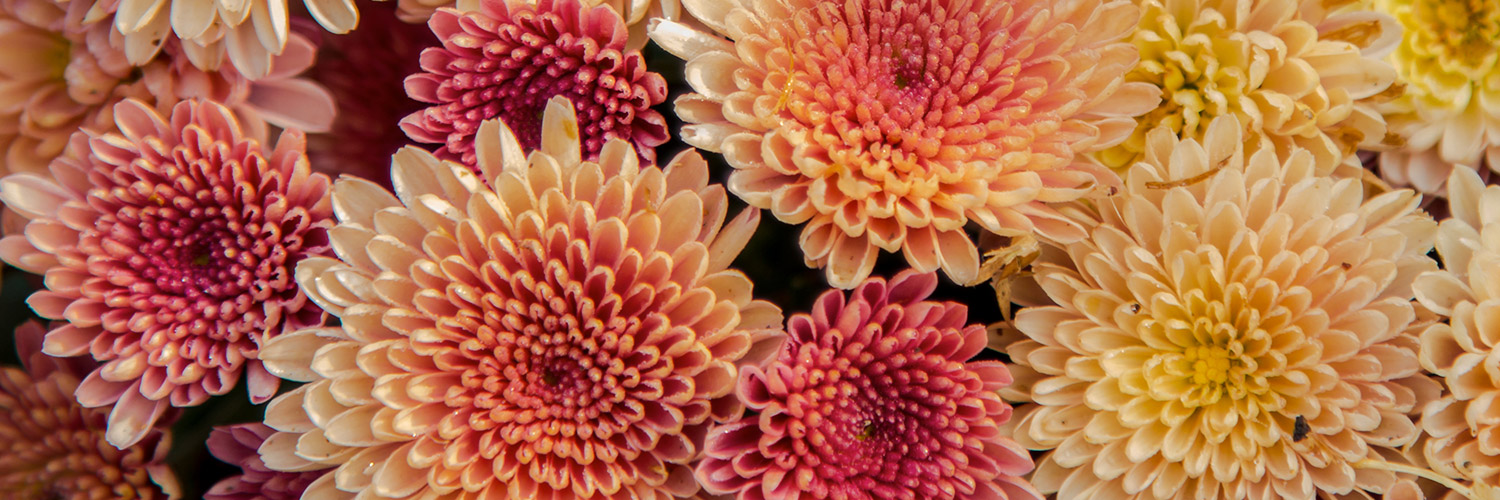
(1449, 112)
(169, 250)
(873, 396)
(50, 447)
(890, 125)
(506, 61)
(1248, 335)
(559, 329)
(62, 73)
(238, 445)
(1293, 75)
(1463, 424)
(246, 35)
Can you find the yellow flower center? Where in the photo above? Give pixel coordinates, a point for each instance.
(1449, 46)
(1210, 364)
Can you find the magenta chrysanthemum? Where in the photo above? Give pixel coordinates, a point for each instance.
(238, 445)
(873, 397)
(52, 448)
(168, 249)
(505, 61)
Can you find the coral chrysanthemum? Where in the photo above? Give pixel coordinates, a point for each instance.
(238, 445)
(365, 70)
(873, 396)
(62, 74)
(1449, 112)
(506, 61)
(636, 13)
(890, 125)
(1248, 335)
(1292, 73)
(570, 333)
(50, 447)
(1463, 424)
(168, 249)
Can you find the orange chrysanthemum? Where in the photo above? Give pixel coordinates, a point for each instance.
(891, 125)
(559, 329)
(1248, 335)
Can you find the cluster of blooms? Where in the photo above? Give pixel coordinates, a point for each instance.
(1251, 241)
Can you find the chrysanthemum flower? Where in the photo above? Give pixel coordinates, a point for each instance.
(238, 445)
(873, 396)
(249, 33)
(890, 125)
(570, 333)
(62, 74)
(1448, 63)
(1294, 74)
(1233, 328)
(50, 447)
(365, 69)
(169, 250)
(637, 14)
(1464, 424)
(506, 61)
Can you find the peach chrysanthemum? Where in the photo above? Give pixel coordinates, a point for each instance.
(238, 445)
(506, 61)
(570, 333)
(1449, 113)
(1464, 428)
(1294, 74)
(874, 396)
(890, 125)
(1247, 335)
(50, 447)
(62, 74)
(168, 249)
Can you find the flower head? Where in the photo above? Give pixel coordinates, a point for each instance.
(65, 72)
(873, 396)
(890, 125)
(1292, 73)
(506, 61)
(1462, 426)
(238, 445)
(1249, 335)
(50, 447)
(560, 329)
(168, 250)
(1448, 113)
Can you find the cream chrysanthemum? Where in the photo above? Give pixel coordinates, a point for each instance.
(891, 125)
(1465, 423)
(1293, 74)
(1449, 112)
(249, 33)
(570, 333)
(1206, 320)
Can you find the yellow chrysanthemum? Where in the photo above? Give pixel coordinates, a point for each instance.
(1449, 113)
(1293, 73)
(1232, 328)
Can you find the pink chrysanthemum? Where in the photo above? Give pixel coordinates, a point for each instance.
(560, 329)
(168, 249)
(51, 448)
(505, 61)
(63, 74)
(874, 396)
(891, 125)
(238, 445)
(365, 70)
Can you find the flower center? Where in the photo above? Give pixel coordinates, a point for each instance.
(1211, 364)
(1461, 34)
